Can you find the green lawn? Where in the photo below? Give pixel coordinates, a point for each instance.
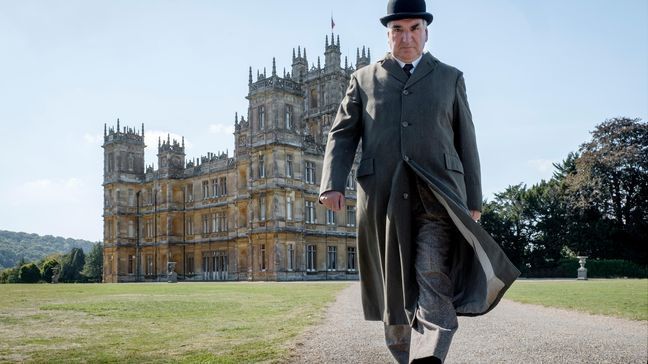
(626, 298)
(185, 322)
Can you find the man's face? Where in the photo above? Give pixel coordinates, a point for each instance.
(407, 38)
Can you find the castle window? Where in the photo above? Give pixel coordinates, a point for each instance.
(261, 112)
(149, 196)
(330, 217)
(263, 258)
(223, 186)
(215, 187)
(149, 265)
(291, 257)
(310, 172)
(289, 117)
(205, 189)
(331, 258)
(189, 193)
(111, 261)
(131, 264)
(289, 208)
(311, 261)
(117, 198)
(289, 165)
(350, 182)
(310, 212)
(313, 97)
(351, 258)
(351, 215)
(262, 206)
(261, 167)
(111, 162)
(131, 162)
(131, 229)
(190, 265)
(215, 222)
(205, 224)
(131, 198)
(189, 226)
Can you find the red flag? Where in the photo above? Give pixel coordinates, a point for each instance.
(332, 23)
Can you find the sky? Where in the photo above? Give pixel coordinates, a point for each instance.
(540, 76)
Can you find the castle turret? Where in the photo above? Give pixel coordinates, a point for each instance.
(332, 55)
(299, 65)
(123, 154)
(364, 59)
(171, 158)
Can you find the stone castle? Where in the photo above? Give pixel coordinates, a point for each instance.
(250, 216)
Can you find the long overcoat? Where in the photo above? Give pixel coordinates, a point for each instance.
(418, 126)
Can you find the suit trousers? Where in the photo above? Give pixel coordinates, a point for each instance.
(436, 319)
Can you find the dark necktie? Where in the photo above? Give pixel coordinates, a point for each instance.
(408, 69)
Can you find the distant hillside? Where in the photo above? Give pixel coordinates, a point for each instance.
(33, 247)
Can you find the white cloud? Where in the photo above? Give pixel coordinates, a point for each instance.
(542, 165)
(221, 129)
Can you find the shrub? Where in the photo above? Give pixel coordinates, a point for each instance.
(9, 275)
(47, 270)
(29, 273)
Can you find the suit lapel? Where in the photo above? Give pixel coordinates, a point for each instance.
(425, 66)
(393, 68)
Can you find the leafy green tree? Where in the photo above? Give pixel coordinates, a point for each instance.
(47, 270)
(93, 268)
(9, 275)
(610, 188)
(71, 266)
(29, 273)
(503, 218)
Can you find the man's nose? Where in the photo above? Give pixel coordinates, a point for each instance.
(407, 37)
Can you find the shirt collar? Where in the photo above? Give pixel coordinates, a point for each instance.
(414, 63)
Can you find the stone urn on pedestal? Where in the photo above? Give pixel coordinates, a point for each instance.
(582, 271)
(172, 276)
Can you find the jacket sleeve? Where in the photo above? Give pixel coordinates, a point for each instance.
(466, 146)
(342, 141)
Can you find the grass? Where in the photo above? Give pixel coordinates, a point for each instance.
(625, 298)
(186, 322)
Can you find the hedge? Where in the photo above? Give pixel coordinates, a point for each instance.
(596, 268)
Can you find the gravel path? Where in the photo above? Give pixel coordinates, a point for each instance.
(511, 333)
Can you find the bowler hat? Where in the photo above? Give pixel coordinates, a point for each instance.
(406, 9)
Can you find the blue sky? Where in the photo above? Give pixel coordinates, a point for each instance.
(540, 75)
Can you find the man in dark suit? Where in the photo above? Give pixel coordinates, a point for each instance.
(423, 259)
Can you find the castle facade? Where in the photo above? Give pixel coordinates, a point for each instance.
(253, 215)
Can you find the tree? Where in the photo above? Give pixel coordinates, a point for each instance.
(29, 273)
(47, 270)
(9, 275)
(71, 266)
(503, 219)
(610, 187)
(93, 267)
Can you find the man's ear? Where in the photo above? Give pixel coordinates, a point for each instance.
(426, 34)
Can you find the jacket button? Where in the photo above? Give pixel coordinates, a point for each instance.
(405, 124)
(406, 92)
(405, 196)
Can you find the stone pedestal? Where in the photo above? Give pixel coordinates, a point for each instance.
(582, 271)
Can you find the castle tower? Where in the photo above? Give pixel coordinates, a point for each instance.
(299, 65)
(332, 54)
(364, 59)
(123, 154)
(171, 158)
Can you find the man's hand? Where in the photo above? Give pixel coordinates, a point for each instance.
(475, 215)
(332, 200)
